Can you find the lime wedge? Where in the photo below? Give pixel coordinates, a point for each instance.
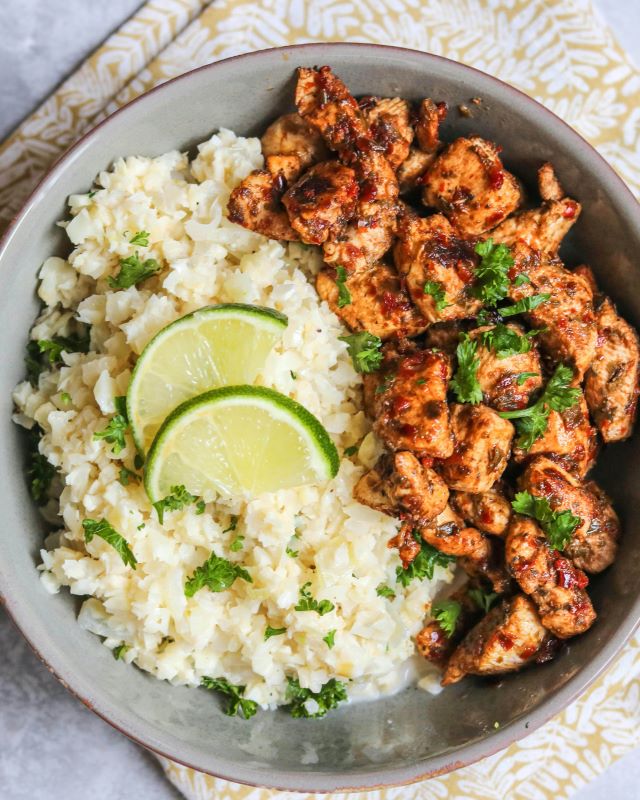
(214, 346)
(239, 439)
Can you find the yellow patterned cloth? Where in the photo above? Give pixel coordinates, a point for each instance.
(558, 51)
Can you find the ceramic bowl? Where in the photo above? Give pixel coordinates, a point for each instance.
(413, 734)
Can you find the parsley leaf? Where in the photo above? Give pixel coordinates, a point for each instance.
(330, 638)
(351, 451)
(119, 651)
(40, 472)
(269, 632)
(521, 279)
(387, 383)
(106, 531)
(294, 376)
(344, 295)
(289, 550)
(235, 693)
(382, 590)
(492, 274)
(465, 381)
(436, 290)
(117, 427)
(217, 574)
(179, 498)
(133, 271)
(524, 305)
(309, 603)
(505, 342)
(364, 349)
(237, 544)
(423, 564)
(48, 352)
(559, 526)
(330, 695)
(127, 475)
(141, 238)
(558, 395)
(484, 600)
(233, 524)
(65, 398)
(524, 376)
(446, 613)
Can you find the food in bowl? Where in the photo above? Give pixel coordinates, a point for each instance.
(293, 596)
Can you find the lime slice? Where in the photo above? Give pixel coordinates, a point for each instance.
(239, 439)
(214, 346)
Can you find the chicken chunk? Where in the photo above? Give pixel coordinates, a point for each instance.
(468, 183)
(429, 117)
(407, 399)
(611, 383)
(436, 645)
(481, 450)
(322, 201)
(400, 486)
(554, 584)
(594, 543)
(378, 304)
(570, 440)
(542, 228)
(500, 377)
(290, 135)
(567, 314)
(256, 204)
(410, 172)
(438, 267)
(389, 121)
(478, 555)
(289, 167)
(444, 336)
(489, 512)
(506, 639)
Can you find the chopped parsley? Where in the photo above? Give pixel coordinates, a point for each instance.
(294, 376)
(235, 692)
(492, 274)
(351, 450)
(446, 613)
(559, 526)
(200, 507)
(382, 590)
(126, 476)
(387, 383)
(237, 544)
(140, 238)
(269, 632)
(106, 531)
(233, 524)
(436, 290)
(119, 651)
(505, 342)
(217, 574)
(40, 472)
(423, 564)
(521, 279)
(117, 427)
(289, 550)
(523, 377)
(133, 271)
(483, 600)
(179, 498)
(330, 638)
(46, 353)
(558, 395)
(524, 305)
(65, 398)
(305, 703)
(364, 349)
(344, 295)
(309, 603)
(465, 381)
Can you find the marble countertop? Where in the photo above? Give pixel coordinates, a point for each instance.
(53, 748)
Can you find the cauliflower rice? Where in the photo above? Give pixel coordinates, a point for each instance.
(341, 545)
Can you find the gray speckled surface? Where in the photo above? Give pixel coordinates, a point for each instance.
(52, 746)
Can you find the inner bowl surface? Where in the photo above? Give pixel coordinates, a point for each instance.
(412, 734)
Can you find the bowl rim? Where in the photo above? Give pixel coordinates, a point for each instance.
(377, 777)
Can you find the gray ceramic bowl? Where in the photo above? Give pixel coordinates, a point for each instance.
(412, 734)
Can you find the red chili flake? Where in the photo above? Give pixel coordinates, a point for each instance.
(463, 272)
(568, 575)
(494, 218)
(427, 461)
(570, 210)
(496, 177)
(368, 191)
(401, 404)
(528, 653)
(505, 640)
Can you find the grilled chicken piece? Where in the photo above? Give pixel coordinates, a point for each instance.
(407, 399)
(468, 183)
(430, 116)
(489, 512)
(506, 639)
(499, 378)
(290, 135)
(322, 201)
(444, 336)
(413, 168)
(568, 314)
(481, 450)
(542, 228)
(478, 555)
(554, 584)
(389, 121)
(570, 440)
(594, 543)
(289, 167)
(400, 486)
(256, 204)
(428, 253)
(587, 273)
(378, 302)
(611, 383)
(436, 645)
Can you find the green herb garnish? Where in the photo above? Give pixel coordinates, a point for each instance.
(106, 531)
(521, 279)
(446, 613)
(330, 638)
(351, 450)
(119, 651)
(126, 476)
(237, 544)
(423, 564)
(140, 238)
(524, 305)
(235, 692)
(344, 295)
(133, 271)
(40, 472)
(309, 603)
(465, 381)
(505, 342)
(330, 695)
(382, 590)
(217, 574)
(436, 290)
(559, 526)
(179, 498)
(269, 632)
(364, 349)
(484, 600)
(492, 274)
